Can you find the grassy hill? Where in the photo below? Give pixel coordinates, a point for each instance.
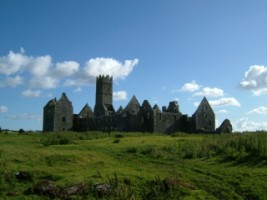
(97, 165)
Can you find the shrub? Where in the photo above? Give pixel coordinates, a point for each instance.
(148, 150)
(162, 189)
(57, 139)
(21, 131)
(132, 149)
(116, 140)
(118, 135)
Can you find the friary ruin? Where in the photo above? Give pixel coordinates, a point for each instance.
(58, 115)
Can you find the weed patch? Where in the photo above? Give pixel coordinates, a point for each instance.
(57, 139)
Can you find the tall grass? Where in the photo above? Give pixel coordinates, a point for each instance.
(229, 146)
(250, 147)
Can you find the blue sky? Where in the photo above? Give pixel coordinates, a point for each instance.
(157, 50)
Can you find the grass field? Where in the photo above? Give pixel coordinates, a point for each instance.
(134, 166)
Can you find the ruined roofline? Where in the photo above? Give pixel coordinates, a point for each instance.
(64, 96)
(86, 107)
(104, 77)
(52, 102)
(204, 101)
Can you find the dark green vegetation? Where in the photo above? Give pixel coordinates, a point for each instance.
(133, 166)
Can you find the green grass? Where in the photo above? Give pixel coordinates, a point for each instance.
(137, 165)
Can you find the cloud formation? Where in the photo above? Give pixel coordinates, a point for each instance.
(259, 110)
(109, 66)
(190, 87)
(222, 111)
(206, 91)
(119, 95)
(210, 92)
(225, 101)
(12, 63)
(78, 89)
(26, 116)
(3, 109)
(67, 68)
(255, 80)
(31, 93)
(40, 72)
(244, 124)
(197, 90)
(11, 81)
(44, 82)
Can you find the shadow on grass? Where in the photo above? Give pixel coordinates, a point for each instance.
(248, 160)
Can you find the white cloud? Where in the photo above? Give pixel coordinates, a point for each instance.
(45, 82)
(40, 66)
(244, 124)
(12, 63)
(109, 66)
(67, 68)
(120, 95)
(210, 92)
(229, 101)
(222, 111)
(255, 79)
(70, 82)
(259, 110)
(3, 109)
(31, 93)
(78, 89)
(78, 82)
(18, 62)
(25, 116)
(41, 72)
(190, 87)
(11, 81)
(14, 81)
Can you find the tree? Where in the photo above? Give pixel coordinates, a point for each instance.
(21, 131)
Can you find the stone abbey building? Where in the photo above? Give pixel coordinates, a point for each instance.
(58, 115)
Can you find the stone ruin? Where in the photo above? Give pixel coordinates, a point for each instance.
(225, 127)
(135, 117)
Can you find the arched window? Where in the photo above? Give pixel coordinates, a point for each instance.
(63, 119)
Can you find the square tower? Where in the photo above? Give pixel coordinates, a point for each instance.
(103, 102)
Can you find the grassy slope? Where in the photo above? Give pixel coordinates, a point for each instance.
(139, 158)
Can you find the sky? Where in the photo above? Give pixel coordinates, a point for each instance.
(157, 50)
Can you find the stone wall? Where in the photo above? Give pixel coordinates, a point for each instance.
(58, 115)
(49, 115)
(166, 122)
(64, 114)
(204, 118)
